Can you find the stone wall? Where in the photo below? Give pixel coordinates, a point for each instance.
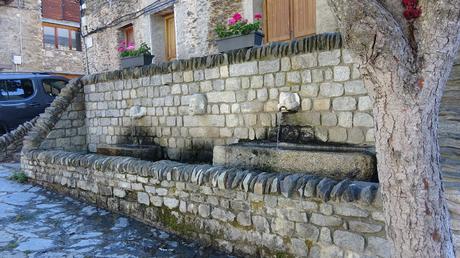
(63, 61)
(21, 35)
(70, 131)
(242, 98)
(240, 211)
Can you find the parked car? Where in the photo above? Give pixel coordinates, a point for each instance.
(24, 96)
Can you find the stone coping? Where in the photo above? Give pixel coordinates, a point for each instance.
(17, 134)
(320, 42)
(290, 185)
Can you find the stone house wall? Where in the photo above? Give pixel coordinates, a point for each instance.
(242, 212)
(21, 36)
(195, 22)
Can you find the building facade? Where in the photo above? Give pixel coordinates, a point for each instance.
(181, 29)
(41, 36)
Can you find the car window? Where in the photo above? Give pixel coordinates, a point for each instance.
(16, 89)
(53, 87)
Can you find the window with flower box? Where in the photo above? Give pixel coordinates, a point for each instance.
(61, 37)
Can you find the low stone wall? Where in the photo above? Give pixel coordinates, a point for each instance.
(241, 211)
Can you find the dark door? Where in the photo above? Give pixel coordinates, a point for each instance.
(19, 102)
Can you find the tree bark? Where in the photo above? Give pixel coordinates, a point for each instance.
(405, 66)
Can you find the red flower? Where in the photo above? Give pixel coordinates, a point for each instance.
(231, 21)
(237, 17)
(258, 16)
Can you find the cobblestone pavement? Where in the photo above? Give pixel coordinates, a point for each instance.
(35, 222)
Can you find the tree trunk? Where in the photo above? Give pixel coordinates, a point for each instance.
(416, 214)
(405, 66)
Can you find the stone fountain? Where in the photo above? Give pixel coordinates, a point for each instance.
(294, 149)
(136, 148)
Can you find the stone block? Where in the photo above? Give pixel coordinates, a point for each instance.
(365, 103)
(306, 104)
(283, 227)
(363, 227)
(269, 66)
(251, 107)
(212, 73)
(350, 210)
(299, 247)
(363, 120)
(345, 119)
(331, 89)
(261, 224)
(204, 210)
(171, 203)
(242, 69)
(348, 240)
(328, 119)
(294, 77)
(233, 83)
(344, 104)
(329, 58)
(307, 231)
(355, 136)
(378, 246)
(309, 90)
(317, 75)
(306, 76)
(321, 104)
(325, 221)
(304, 61)
(337, 134)
(355, 88)
(244, 218)
(341, 73)
(257, 82)
(221, 97)
(223, 215)
(143, 198)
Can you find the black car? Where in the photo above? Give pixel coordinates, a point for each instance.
(23, 96)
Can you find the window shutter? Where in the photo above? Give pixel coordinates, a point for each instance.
(303, 17)
(277, 18)
(170, 37)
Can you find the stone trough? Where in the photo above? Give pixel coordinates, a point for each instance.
(333, 161)
(144, 152)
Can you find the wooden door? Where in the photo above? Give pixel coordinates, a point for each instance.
(170, 36)
(289, 19)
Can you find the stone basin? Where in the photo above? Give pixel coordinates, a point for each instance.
(333, 161)
(145, 152)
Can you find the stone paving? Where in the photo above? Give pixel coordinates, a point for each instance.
(35, 222)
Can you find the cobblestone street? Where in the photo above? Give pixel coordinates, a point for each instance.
(35, 222)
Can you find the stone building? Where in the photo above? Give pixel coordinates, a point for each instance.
(41, 36)
(181, 29)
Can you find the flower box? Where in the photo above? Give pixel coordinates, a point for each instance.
(252, 39)
(135, 61)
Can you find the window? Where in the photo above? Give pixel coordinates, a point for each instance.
(170, 32)
(61, 37)
(289, 19)
(53, 87)
(16, 89)
(128, 34)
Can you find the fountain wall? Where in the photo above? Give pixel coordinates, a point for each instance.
(241, 90)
